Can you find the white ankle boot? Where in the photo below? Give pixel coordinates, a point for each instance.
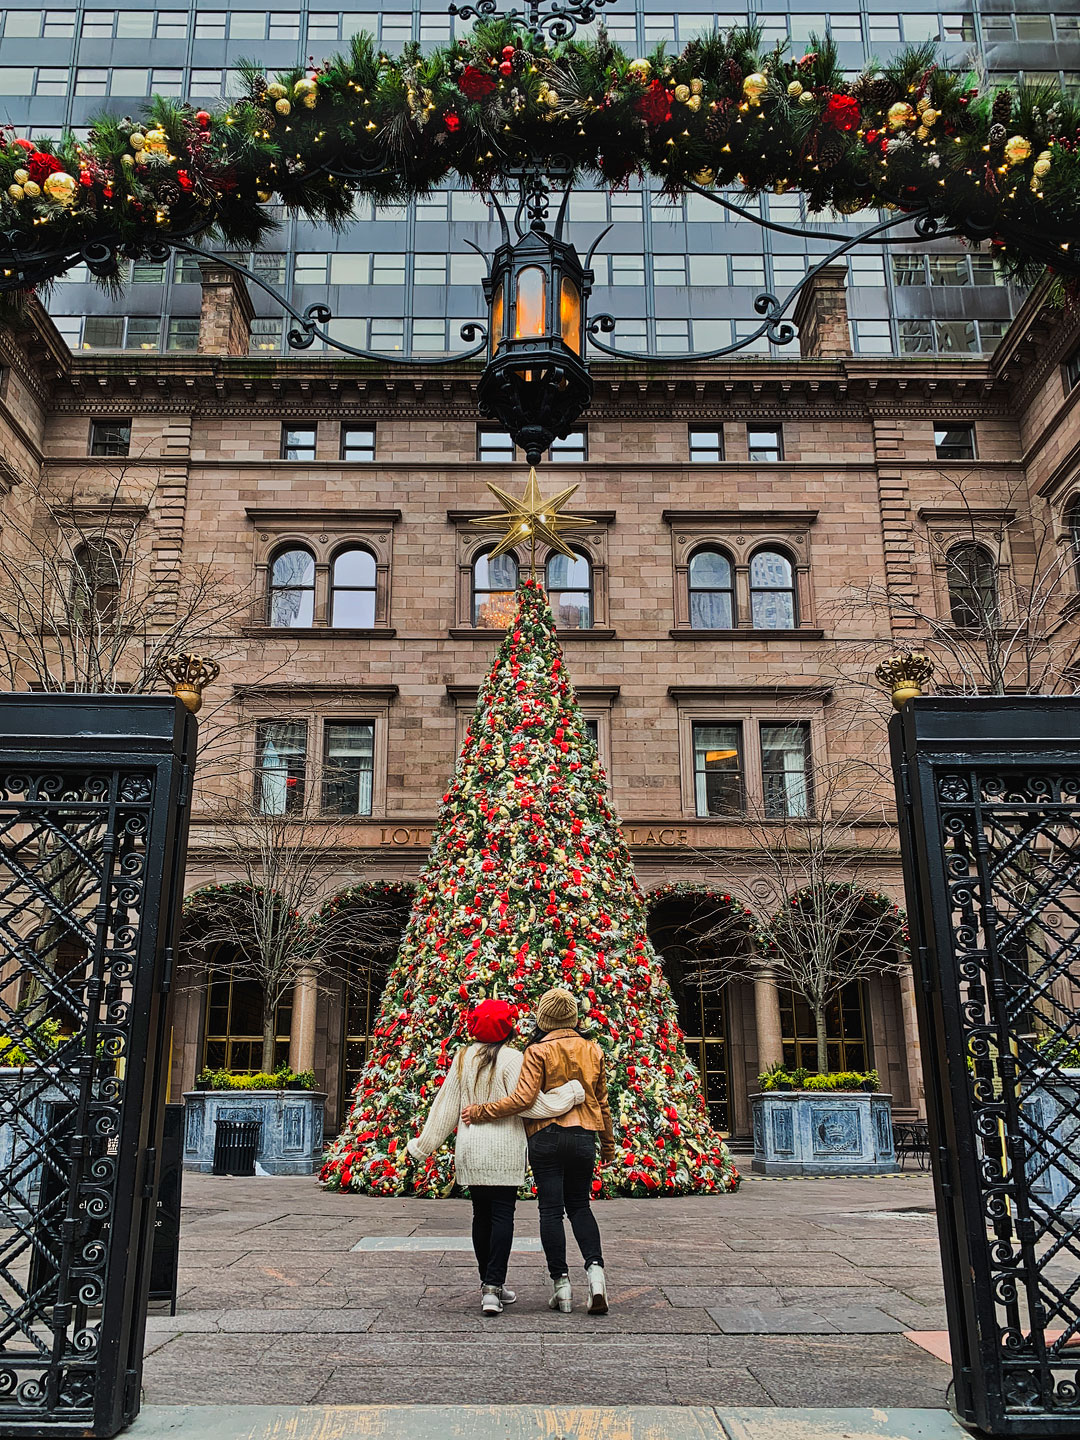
(561, 1298)
(491, 1302)
(598, 1302)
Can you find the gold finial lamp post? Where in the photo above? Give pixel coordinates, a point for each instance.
(904, 675)
(189, 675)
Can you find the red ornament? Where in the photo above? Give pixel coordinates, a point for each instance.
(453, 124)
(841, 112)
(654, 106)
(41, 166)
(474, 84)
(506, 68)
(24, 144)
(184, 180)
(202, 119)
(508, 52)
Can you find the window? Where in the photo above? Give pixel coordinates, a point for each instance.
(1072, 522)
(310, 270)
(627, 270)
(267, 333)
(494, 447)
(292, 590)
(134, 24)
(358, 442)
(872, 337)
(712, 591)
(569, 448)
(95, 581)
(350, 267)
(785, 757)
(352, 590)
(569, 586)
(955, 442)
(96, 25)
(348, 767)
(172, 25)
(143, 332)
(764, 445)
(281, 765)
(91, 82)
(706, 445)
(955, 337)
(388, 269)
(772, 592)
(971, 576)
(845, 1029)
(430, 269)
(494, 591)
(1072, 369)
(205, 82)
(55, 82)
(110, 437)
(467, 269)
(247, 25)
(297, 444)
(669, 270)
(234, 1010)
(183, 332)
(210, 25)
(718, 770)
(103, 332)
(909, 269)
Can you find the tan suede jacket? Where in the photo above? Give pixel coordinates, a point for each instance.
(564, 1055)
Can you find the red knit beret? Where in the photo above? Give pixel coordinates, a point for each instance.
(492, 1021)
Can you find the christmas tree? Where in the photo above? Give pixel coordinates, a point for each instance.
(529, 884)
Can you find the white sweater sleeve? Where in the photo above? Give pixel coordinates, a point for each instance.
(549, 1104)
(444, 1117)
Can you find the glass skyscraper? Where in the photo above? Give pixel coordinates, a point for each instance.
(677, 277)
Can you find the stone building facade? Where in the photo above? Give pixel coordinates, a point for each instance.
(765, 530)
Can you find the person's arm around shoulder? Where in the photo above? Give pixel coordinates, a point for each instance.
(444, 1116)
(520, 1098)
(549, 1104)
(607, 1134)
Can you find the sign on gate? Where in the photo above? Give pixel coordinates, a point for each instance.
(93, 826)
(989, 797)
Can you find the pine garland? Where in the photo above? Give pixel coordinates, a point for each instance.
(1001, 166)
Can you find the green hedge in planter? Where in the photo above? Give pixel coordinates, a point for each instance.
(779, 1078)
(282, 1079)
(33, 1049)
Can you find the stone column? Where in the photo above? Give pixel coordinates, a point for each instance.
(302, 1035)
(226, 312)
(770, 1045)
(821, 315)
(912, 1051)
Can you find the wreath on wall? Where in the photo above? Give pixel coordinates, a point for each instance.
(1002, 167)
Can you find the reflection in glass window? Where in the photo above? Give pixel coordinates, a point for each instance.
(569, 587)
(494, 591)
(785, 761)
(971, 576)
(712, 593)
(718, 770)
(352, 590)
(292, 590)
(281, 766)
(772, 591)
(348, 767)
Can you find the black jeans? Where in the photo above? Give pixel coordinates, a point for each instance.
(563, 1159)
(492, 1229)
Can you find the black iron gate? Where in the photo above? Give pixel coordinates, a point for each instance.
(989, 797)
(93, 827)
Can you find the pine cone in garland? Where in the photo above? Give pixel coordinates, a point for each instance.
(169, 193)
(882, 89)
(264, 118)
(830, 149)
(258, 87)
(734, 75)
(1001, 110)
(718, 125)
(692, 54)
(997, 137)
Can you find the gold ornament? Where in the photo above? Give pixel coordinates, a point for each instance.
(21, 176)
(694, 104)
(546, 95)
(754, 86)
(276, 91)
(264, 196)
(189, 675)
(697, 87)
(641, 68)
(138, 140)
(32, 189)
(61, 187)
(156, 141)
(807, 99)
(682, 93)
(922, 133)
(704, 176)
(930, 116)
(282, 107)
(532, 518)
(922, 105)
(1041, 167)
(16, 192)
(127, 160)
(1017, 150)
(904, 675)
(795, 89)
(900, 116)
(307, 92)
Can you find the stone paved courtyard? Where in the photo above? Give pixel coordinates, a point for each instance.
(788, 1293)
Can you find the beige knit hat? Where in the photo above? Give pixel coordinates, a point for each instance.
(558, 1010)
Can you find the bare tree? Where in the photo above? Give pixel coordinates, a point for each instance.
(993, 609)
(269, 911)
(817, 849)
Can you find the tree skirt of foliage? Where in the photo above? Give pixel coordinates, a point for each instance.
(998, 164)
(529, 884)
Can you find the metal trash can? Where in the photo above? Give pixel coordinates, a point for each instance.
(236, 1143)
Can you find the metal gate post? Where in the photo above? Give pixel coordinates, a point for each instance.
(988, 795)
(94, 804)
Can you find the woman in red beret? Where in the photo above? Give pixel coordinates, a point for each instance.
(489, 1159)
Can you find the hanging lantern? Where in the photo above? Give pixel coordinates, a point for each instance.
(536, 383)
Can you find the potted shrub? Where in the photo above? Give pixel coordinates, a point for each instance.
(286, 1104)
(837, 1123)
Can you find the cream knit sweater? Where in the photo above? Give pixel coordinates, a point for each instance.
(493, 1153)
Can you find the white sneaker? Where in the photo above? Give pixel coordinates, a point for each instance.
(491, 1303)
(561, 1298)
(598, 1302)
(506, 1295)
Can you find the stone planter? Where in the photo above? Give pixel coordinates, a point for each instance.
(1053, 1111)
(822, 1132)
(33, 1092)
(291, 1139)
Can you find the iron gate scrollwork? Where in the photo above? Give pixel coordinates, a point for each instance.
(989, 798)
(93, 823)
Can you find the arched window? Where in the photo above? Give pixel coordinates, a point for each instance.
(233, 1039)
(292, 590)
(772, 592)
(1072, 521)
(495, 583)
(971, 576)
(352, 590)
(712, 591)
(95, 581)
(569, 587)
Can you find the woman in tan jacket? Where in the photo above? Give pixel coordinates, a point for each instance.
(562, 1152)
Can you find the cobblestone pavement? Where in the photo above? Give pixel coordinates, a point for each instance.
(789, 1293)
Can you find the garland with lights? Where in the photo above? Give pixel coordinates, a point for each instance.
(529, 884)
(883, 906)
(912, 135)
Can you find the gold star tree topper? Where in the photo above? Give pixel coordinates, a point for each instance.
(532, 518)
